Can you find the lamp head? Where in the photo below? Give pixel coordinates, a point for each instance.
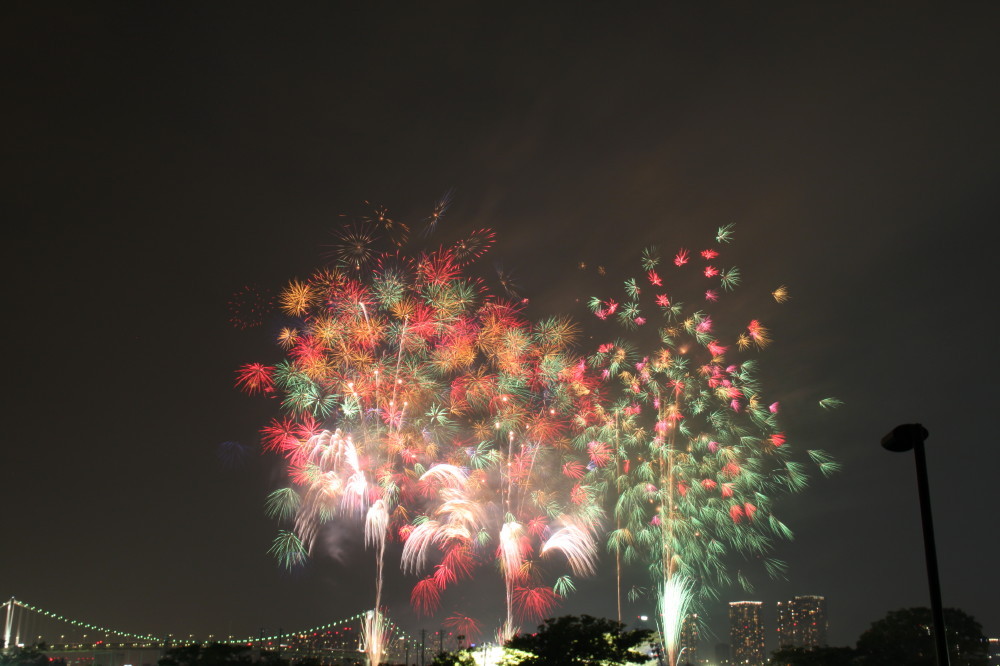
(904, 437)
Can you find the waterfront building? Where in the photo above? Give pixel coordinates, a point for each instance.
(746, 633)
(688, 653)
(802, 622)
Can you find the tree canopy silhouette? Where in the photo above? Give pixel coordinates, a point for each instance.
(581, 641)
(32, 655)
(818, 656)
(214, 654)
(905, 637)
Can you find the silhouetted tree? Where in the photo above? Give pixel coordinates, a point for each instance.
(581, 641)
(307, 661)
(271, 659)
(28, 656)
(214, 654)
(906, 638)
(456, 658)
(818, 656)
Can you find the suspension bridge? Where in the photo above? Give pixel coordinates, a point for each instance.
(82, 643)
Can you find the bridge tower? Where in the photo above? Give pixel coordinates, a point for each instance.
(9, 624)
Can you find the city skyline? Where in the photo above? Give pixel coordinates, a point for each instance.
(344, 634)
(163, 161)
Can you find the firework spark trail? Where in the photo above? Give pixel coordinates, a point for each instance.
(579, 547)
(376, 631)
(674, 603)
(376, 527)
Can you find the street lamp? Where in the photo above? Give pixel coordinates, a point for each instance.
(901, 439)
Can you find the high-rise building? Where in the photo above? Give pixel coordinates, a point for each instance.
(688, 652)
(785, 625)
(802, 622)
(746, 633)
(810, 618)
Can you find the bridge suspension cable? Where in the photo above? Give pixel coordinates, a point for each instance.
(16, 627)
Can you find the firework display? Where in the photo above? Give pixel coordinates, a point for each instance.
(249, 306)
(699, 455)
(420, 408)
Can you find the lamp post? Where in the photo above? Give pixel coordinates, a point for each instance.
(901, 439)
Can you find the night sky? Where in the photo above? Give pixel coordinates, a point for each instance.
(157, 157)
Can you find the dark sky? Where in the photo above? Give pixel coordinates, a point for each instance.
(158, 156)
